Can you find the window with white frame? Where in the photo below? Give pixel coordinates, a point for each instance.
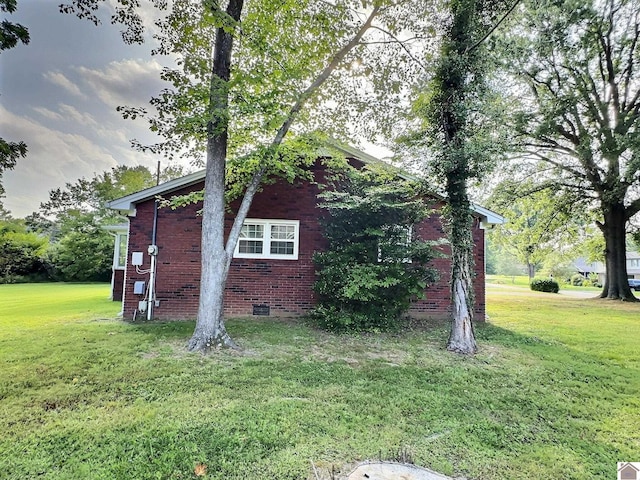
(276, 239)
(120, 255)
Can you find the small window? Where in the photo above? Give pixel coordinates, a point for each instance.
(121, 251)
(388, 251)
(276, 239)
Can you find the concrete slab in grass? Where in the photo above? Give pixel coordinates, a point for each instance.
(393, 471)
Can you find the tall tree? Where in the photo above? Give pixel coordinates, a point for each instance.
(270, 61)
(540, 223)
(579, 110)
(210, 328)
(452, 111)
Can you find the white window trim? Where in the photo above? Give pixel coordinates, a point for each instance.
(117, 251)
(266, 248)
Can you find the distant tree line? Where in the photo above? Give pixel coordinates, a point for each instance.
(67, 238)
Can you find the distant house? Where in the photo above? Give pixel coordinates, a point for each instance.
(585, 268)
(272, 272)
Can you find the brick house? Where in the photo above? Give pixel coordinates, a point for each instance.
(272, 272)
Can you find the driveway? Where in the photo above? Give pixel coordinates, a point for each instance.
(580, 293)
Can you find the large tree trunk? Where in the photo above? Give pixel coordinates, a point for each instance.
(210, 330)
(461, 337)
(616, 285)
(456, 66)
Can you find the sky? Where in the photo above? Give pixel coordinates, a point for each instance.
(59, 95)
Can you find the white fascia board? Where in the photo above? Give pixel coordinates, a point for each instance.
(120, 228)
(489, 217)
(128, 202)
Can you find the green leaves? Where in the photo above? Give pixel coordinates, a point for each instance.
(374, 264)
(11, 33)
(576, 101)
(280, 47)
(578, 61)
(21, 251)
(540, 223)
(10, 152)
(84, 251)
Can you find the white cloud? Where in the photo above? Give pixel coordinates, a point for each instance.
(127, 82)
(58, 78)
(49, 114)
(53, 159)
(69, 112)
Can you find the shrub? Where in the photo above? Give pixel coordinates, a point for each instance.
(544, 285)
(83, 253)
(577, 280)
(21, 252)
(374, 266)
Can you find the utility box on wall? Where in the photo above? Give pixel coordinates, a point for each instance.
(137, 259)
(138, 288)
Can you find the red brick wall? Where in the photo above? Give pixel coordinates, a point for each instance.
(286, 286)
(438, 297)
(118, 285)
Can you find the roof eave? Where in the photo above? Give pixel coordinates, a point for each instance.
(488, 217)
(128, 202)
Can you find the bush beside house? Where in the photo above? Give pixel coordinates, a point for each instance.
(374, 265)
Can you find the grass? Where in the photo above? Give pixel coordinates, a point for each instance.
(553, 393)
(523, 281)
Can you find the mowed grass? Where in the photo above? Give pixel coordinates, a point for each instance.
(34, 305)
(523, 281)
(553, 393)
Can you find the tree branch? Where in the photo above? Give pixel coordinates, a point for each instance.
(401, 42)
(629, 69)
(493, 29)
(286, 125)
(566, 168)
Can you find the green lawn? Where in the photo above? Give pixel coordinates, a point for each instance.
(554, 393)
(523, 281)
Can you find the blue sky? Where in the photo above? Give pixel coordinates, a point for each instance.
(59, 94)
